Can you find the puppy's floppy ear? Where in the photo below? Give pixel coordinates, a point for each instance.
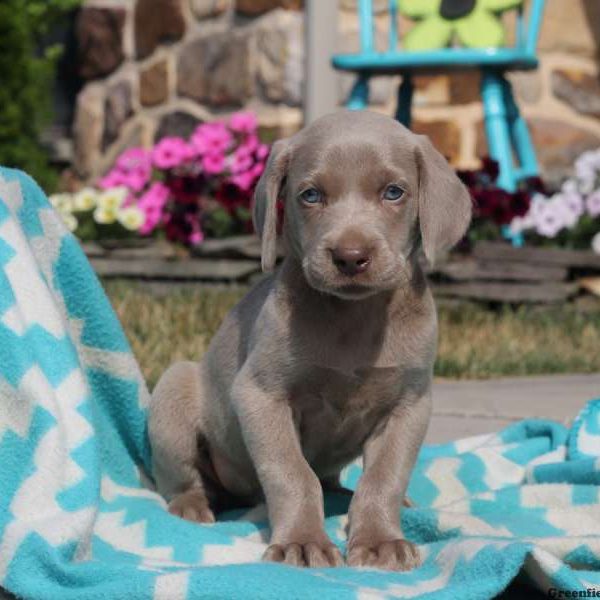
(266, 194)
(444, 202)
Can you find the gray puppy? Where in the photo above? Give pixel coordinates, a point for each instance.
(328, 358)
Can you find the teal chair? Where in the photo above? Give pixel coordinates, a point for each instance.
(507, 134)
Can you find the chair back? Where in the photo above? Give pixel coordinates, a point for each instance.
(526, 33)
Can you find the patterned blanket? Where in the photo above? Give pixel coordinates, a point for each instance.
(79, 519)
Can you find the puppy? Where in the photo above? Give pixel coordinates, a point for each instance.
(329, 358)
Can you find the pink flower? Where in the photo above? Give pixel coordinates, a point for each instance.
(241, 162)
(243, 122)
(213, 164)
(211, 138)
(262, 151)
(248, 146)
(257, 169)
(155, 197)
(112, 179)
(152, 203)
(134, 158)
(593, 204)
(243, 180)
(134, 180)
(196, 235)
(171, 152)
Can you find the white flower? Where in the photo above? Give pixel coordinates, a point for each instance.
(113, 199)
(570, 206)
(596, 243)
(85, 199)
(521, 224)
(105, 216)
(70, 221)
(569, 187)
(131, 218)
(62, 202)
(550, 220)
(593, 204)
(538, 204)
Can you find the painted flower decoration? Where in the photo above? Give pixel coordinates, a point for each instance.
(475, 23)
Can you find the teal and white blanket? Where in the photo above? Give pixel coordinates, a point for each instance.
(79, 519)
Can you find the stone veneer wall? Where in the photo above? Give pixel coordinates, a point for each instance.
(158, 67)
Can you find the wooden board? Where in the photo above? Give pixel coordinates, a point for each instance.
(245, 246)
(197, 269)
(507, 292)
(497, 251)
(471, 269)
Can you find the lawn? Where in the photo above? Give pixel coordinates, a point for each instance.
(475, 342)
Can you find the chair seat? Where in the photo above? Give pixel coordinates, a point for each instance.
(506, 59)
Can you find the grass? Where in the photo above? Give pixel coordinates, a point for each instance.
(475, 342)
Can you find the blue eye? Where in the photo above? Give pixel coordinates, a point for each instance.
(393, 193)
(311, 196)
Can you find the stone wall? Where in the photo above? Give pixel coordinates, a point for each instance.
(158, 67)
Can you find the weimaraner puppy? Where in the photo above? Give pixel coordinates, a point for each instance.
(328, 358)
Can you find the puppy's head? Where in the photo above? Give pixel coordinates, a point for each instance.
(361, 192)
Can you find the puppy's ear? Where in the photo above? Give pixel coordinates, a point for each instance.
(444, 202)
(266, 194)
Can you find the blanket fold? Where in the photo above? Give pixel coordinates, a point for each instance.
(79, 517)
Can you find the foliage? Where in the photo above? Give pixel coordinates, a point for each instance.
(27, 75)
(189, 189)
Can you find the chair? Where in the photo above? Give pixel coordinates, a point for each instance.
(507, 134)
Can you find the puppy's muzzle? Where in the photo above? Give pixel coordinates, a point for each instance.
(351, 260)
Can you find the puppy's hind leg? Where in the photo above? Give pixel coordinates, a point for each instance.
(175, 437)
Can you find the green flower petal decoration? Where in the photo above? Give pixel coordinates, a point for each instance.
(417, 9)
(497, 6)
(429, 34)
(480, 28)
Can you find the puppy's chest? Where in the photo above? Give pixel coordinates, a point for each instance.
(335, 411)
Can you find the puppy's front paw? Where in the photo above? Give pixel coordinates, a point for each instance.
(311, 554)
(192, 506)
(393, 555)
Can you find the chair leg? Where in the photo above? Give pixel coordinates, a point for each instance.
(359, 94)
(496, 128)
(404, 106)
(520, 135)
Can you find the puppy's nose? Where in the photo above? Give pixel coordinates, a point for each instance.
(351, 260)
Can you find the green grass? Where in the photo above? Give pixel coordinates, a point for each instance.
(475, 342)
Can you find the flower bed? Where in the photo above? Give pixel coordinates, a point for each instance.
(183, 190)
(191, 198)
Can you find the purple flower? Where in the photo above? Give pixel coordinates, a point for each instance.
(170, 152)
(243, 122)
(593, 204)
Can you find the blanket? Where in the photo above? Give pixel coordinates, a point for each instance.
(79, 517)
